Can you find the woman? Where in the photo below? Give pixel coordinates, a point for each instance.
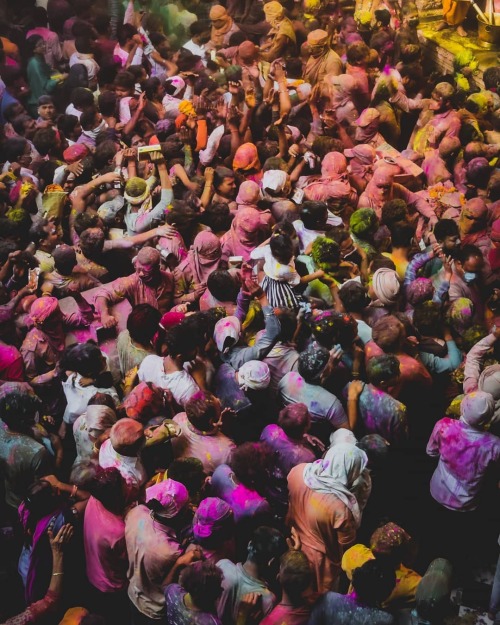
(48, 505)
(244, 235)
(38, 72)
(191, 274)
(89, 426)
(155, 92)
(223, 27)
(327, 498)
(362, 158)
(246, 163)
(334, 181)
(249, 195)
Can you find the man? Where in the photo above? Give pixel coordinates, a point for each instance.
(148, 285)
(16, 90)
(121, 451)
(200, 434)
(45, 236)
(22, 459)
(323, 59)
(261, 566)
(454, 14)
(129, 49)
(200, 35)
(466, 279)
(436, 122)
(305, 386)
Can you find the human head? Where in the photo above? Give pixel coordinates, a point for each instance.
(64, 259)
(147, 265)
(317, 41)
(189, 472)
(477, 409)
(385, 286)
(314, 215)
(390, 543)
(18, 406)
(109, 487)
(142, 323)
(213, 522)
(295, 420)
(354, 297)
(168, 499)
(448, 236)
(326, 253)
(203, 582)
(254, 375)
(265, 548)
(44, 233)
(251, 463)
(473, 217)
(373, 582)
(364, 223)
(442, 94)
(46, 108)
(203, 411)
(45, 312)
(312, 362)
(357, 53)
(274, 13)
(295, 575)
(200, 31)
(331, 328)
(389, 333)
(383, 371)
(469, 262)
(127, 437)
(92, 242)
(85, 359)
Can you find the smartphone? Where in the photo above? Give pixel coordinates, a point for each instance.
(235, 261)
(104, 334)
(298, 196)
(33, 275)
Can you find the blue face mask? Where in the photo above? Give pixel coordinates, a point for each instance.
(469, 276)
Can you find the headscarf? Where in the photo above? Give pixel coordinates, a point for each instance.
(144, 402)
(386, 286)
(137, 193)
(461, 315)
(244, 232)
(204, 256)
(355, 557)
(280, 24)
(472, 221)
(218, 12)
(246, 158)
(211, 518)
(99, 418)
(248, 194)
(387, 538)
(171, 495)
(254, 375)
(342, 435)
(341, 90)
(333, 183)
(247, 53)
(362, 158)
(363, 223)
(316, 65)
(275, 180)
(42, 308)
(336, 473)
(420, 290)
(477, 409)
(228, 327)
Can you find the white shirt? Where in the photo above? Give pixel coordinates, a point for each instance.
(130, 467)
(274, 269)
(180, 383)
(79, 396)
(122, 55)
(197, 50)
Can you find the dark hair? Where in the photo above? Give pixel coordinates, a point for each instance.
(388, 333)
(19, 122)
(83, 45)
(314, 214)
(446, 228)
(198, 27)
(30, 45)
(102, 22)
(37, 230)
(202, 410)
(142, 323)
(251, 462)
(82, 98)
(294, 422)
(85, 221)
(288, 323)
(221, 173)
(107, 486)
(13, 148)
(203, 582)
(402, 234)
(104, 153)
(39, 501)
(183, 216)
(107, 103)
(383, 16)
(188, 471)
(357, 52)
(102, 399)
(491, 77)
(427, 317)
(125, 80)
(217, 216)
(466, 252)
(44, 140)
(373, 582)
(394, 211)
(67, 123)
(84, 358)
(64, 259)
(334, 328)
(312, 361)
(266, 544)
(125, 32)
(92, 242)
(18, 409)
(222, 286)
(295, 575)
(180, 341)
(281, 248)
(354, 297)
(382, 368)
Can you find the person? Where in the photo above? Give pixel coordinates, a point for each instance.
(135, 343)
(191, 275)
(91, 425)
(323, 59)
(327, 498)
(121, 451)
(223, 27)
(153, 546)
(282, 38)
(265, 548)
(214, 529)
(454, 15)
(38, 72)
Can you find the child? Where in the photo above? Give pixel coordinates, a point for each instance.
(280, 274)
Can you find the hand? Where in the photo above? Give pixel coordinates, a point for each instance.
(142, 102)
(278, 69)
(137, 39)
(169, 232)
(52, 480)
(130, 154)
(336, 354)
(198, 291)
(183, 308)
(185, 135)
(234, 87)
(110, 177)
(209, 174)
(62, 538)
(315, 442)
(75, 168)
(250, 99)
(294, 543)
(253, 288)
(157, 157)
(108, 321)
(448, 271)
(233, 117)
(294, 150)
(355, 390)
(15, 168)
(251, 606)
(189, 557)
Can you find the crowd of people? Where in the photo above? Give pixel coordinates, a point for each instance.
(249, 296)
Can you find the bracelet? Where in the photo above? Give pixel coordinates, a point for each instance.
(74, 490)
(56, 574)
(355, 374)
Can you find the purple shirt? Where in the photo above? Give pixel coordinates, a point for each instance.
(179, 614)
(465, 456)
(244, 502)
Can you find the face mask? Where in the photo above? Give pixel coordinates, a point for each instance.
(469, 276)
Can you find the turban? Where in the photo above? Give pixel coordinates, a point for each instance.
(144, 402)
(125, 433)
(42, 308)
(75, 153)
(386, 285)
(489, 381)
(275, 180)
(217, 12)
(317, 38)
(171, 495)
(109, 210)
(387, 538)
(477, 409)
(273, 10)
(210, 517)
(419, 291)
(254, 375)
(355, 557)
(136, 190)
(229, 327)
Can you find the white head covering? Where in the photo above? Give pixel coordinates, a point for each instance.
(228, 327)
(275, 180)
(99, 417)
(336, 473)
(254, 374)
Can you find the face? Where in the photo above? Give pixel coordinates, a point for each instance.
(25, 158)
(218, 23)
(473, 264)
(204, 37)
(29, 129)
(137, 141)
(383, 188)
(227, 187)
(147, 273)
(450, 244)
(123, 92)
(40, 47)
(47, 111)
(346, 247)
(52, 237)
(441, 104)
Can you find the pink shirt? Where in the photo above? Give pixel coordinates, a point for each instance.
(105, 547)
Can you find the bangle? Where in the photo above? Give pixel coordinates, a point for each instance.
(56, 574)
(74, 490)
(355, 374)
